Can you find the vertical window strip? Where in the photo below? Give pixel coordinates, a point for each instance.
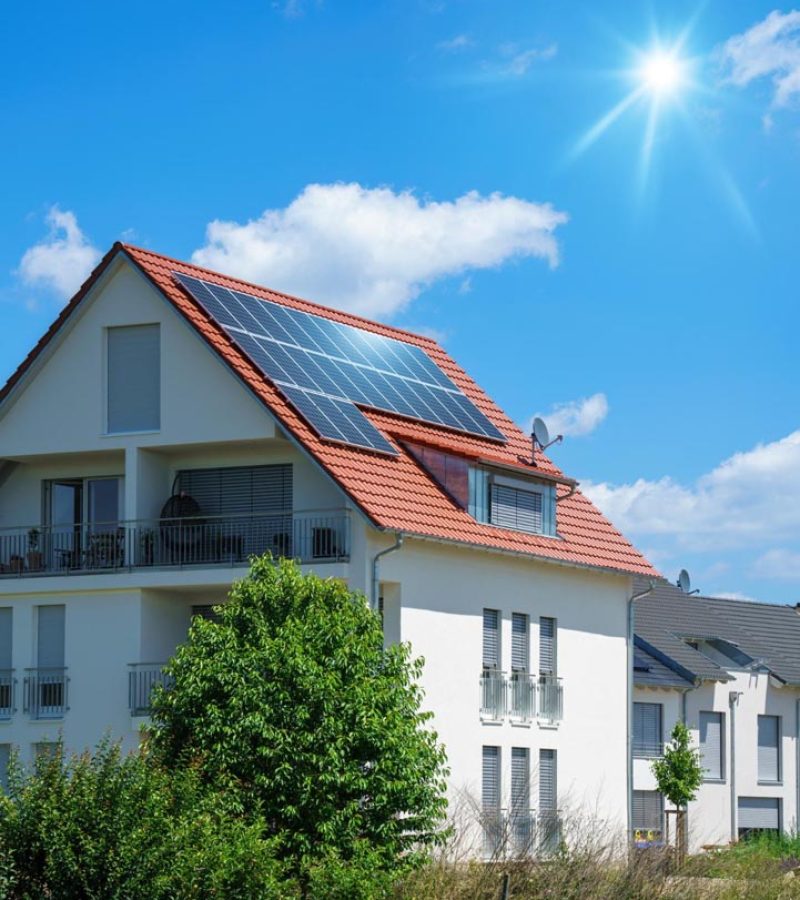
(548, 786)
(520, 780)
(712, 732)
(520, 642)
(769, 768)
(647, 811)
(647, 729)
(491, 639)
(547, 645)
(133, 378)
(490, 785)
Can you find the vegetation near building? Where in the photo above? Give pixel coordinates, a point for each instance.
(290, 752)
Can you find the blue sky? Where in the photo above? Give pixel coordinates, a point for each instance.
(420, 161)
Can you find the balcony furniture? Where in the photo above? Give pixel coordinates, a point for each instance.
(106, 549)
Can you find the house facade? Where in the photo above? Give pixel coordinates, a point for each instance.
(730, 670)
(174, 421)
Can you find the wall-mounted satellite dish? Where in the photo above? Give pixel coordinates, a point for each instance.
(684, 582)
(540, 437)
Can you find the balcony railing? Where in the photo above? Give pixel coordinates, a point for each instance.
(647, 750)
(520, 833)
(46, 694)
(493, 694)
(142, 678)
(306, 535)
(8, 686)
(550, 693)
(522, 697)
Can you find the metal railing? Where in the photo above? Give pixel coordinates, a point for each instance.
(520, 833)
(493, 694)
(306, 535)
(550, 693)
(46, 692)
(647, 750)
(522, 697)
(142, 678)
(8, 685)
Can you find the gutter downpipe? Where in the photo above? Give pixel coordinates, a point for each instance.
(376, 568)
(733, 702)
(629, 715)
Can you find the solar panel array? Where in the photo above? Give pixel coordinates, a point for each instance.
(324, 368)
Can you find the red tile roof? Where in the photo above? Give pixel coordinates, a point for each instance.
(395, 492)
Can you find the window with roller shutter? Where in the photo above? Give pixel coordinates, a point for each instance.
(547, 645)
(520, 649)
(647, 729)
(769, 756)
(712, 736)
(241, 490)
(133, 380)
(647, 811)
(491, 639)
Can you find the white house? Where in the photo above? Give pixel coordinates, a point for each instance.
(174, 421)
(730, 669)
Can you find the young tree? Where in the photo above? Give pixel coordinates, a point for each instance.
(292, 704)
(679, 774)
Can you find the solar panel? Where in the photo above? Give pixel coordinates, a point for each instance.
(324, 368)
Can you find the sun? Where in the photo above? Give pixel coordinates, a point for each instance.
(662, 73)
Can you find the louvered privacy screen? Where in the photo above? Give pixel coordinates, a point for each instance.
(520, 654)
(517, 509)
(711, 741)
(548, 788)
(490, 785)
(769, 768)
(245, 490)
(547, 646)
(491, 639)
(647, 738)
(5, 638)
(134, 378)
(647, 811)
(758, 812)
(520, 779)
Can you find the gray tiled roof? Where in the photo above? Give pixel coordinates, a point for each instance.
(762, 630)
(658, 674)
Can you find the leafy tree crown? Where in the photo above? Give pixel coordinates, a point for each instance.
(679, 773)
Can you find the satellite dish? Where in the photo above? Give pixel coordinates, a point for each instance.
(540, 432)
(684, 582)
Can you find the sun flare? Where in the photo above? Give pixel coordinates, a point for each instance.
(662, 73)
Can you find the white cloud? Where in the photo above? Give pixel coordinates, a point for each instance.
(779, 563)
(63, 260)
(731, 595)
(519, 61)
(373, 250)
(771, 48)
(578, 417)
(751, 497)
(454, 44)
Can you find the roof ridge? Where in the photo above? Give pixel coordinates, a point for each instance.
(294, 297)
(748, 602)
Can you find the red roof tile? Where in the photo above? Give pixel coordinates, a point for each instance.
(394, 492)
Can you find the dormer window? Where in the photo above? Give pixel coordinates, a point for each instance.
(517, 504)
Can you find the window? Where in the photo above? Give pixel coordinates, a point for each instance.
(547, 646)
(769, 748)
(647, 729)
(83, 515)
(491, 639)
(647, 821)
(712, 743)
(548, 784)
(134, 379)
(757, 815)
(520, 643)
(207, 612)
(45, 750)
(46, 686)
(5, 756)
(490, 801)
(6, 672)
(450, 472)
(511, 502)
(521, 823)
(240, 490)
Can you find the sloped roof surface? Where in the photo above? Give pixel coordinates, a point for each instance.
(395, 492)
(763, 631)
(657, 674)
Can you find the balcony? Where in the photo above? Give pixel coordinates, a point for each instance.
(142, 678)
(522, 697)
(520, 833)
(306, 535)
(8, 686)
(46, 693)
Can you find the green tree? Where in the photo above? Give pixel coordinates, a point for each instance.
(291, 705)
(105, 827)
(679, 772)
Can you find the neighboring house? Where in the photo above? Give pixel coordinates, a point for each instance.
(174, 421)
(731, 670)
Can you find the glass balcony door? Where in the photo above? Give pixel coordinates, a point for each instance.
(83, 516)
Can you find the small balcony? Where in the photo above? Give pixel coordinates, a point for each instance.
(8, 689)
(522, 697)
(46, 693)
(310, 536)
(520, 833)
(142, 678)
(643, 749)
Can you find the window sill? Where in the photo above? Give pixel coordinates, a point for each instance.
(144, 431)
(770, 783)
(485, 720)
(549, 725)
(715, 781)
(520, 723)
